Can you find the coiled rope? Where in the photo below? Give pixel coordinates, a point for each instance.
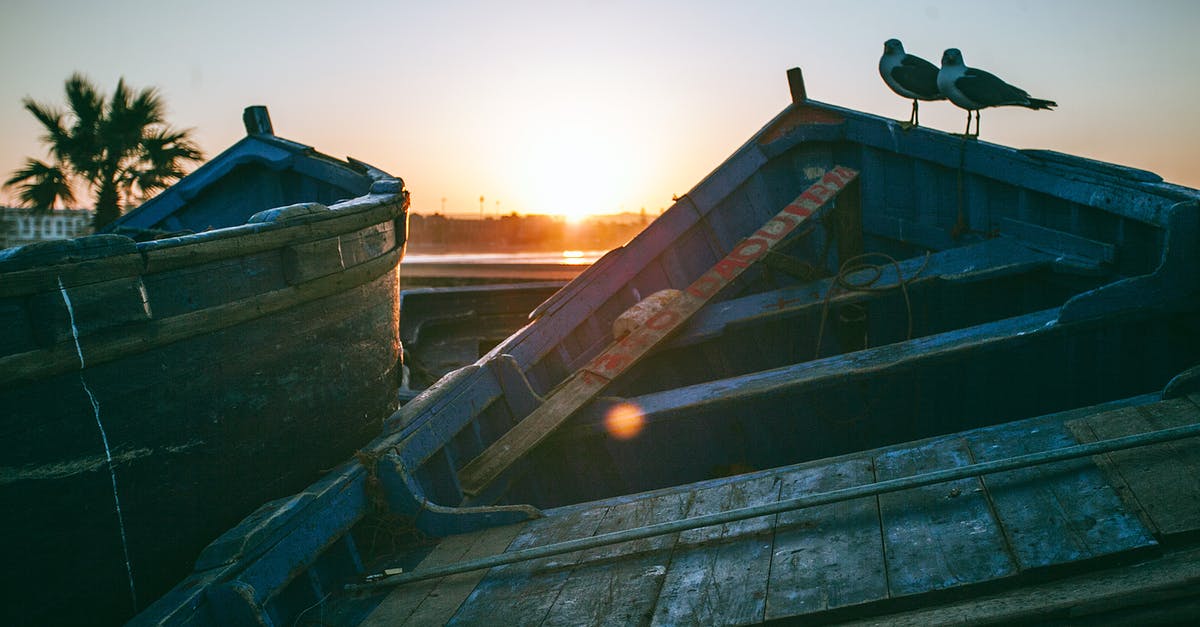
(867, 283)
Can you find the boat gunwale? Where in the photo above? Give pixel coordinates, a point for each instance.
(224, 243)
(114, 343)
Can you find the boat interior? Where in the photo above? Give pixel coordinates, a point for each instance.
(931, 297)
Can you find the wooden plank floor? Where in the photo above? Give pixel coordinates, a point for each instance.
(1161, 481)
(860, 558)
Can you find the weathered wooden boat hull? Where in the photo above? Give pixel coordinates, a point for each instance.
(156, 393)
(1023, 284)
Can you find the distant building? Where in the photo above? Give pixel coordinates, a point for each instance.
(20, 226)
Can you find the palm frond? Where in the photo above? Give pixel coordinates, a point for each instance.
(119, 145)
(51, 118)
(165, 153)
(82, 145)
(40, 185)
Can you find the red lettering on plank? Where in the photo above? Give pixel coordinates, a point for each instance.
(819, 193)
(832, 178)
(592, 378)
(637, 339)
(750, 249)
(705, 286)
(843, 175)
(776, 228)
(797, 209)
(609, 361)
(729, 268)
(663, 320)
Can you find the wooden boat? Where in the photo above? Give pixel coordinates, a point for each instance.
(154, 393)
(800, 432)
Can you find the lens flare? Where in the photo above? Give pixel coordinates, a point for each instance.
(624, 421)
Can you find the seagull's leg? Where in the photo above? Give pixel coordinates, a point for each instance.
(914, 118)
(977, 123)
(911, 118)
(967, 132)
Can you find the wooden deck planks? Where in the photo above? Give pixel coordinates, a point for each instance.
(1163, 479)
(830, 556)
(1054, 513)
(1151, 593)
(938, 536)
(619, 584)
(718, 575)
(434, 601)
(522, 593)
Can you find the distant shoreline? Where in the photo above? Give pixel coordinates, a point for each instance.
(495, 265)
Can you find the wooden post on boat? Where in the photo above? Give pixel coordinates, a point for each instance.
(587, 383)
(796, 85)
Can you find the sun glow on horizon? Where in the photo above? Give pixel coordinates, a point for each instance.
(576, 149)
(573, 173)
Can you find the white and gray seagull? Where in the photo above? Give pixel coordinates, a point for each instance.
(909, 76)
(974, 89)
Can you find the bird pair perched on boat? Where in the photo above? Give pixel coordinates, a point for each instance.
(970, 88)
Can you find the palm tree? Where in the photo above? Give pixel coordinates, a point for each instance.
(120, 148)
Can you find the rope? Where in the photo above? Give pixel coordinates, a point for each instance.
(857, 264)
(384, 525)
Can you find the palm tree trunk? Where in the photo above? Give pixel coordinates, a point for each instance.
(108, 207)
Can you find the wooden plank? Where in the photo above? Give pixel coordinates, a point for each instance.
(618, 584)
(718, 575)
(829, 556)
(1095, 598)
(1163, 479)
(584, 385)
(1054, 513)
(434, 601)
(1060, 242)
(522, 593)
(990, 259)
(938, 536)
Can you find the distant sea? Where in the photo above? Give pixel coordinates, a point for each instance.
(531, 266)
(565, 258)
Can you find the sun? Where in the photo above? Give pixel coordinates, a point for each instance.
(574, 172)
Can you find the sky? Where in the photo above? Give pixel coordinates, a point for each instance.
(579, 107)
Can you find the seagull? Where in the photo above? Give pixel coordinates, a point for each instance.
(974, 89)
(909, 76)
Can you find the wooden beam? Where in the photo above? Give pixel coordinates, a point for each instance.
(585, 384)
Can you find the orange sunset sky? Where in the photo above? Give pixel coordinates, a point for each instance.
(599, 107)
